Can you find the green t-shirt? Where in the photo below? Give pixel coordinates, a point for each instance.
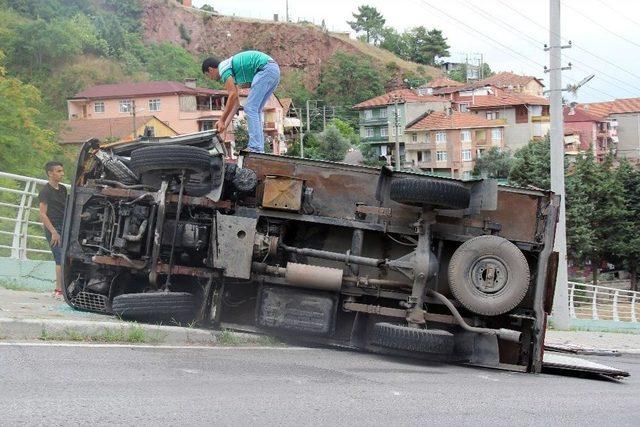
(242, 66)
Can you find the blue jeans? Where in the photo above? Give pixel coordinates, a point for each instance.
(264, 83)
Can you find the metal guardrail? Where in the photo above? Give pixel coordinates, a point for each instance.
(591, 302)
(21, 232)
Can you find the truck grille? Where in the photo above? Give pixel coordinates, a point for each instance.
(91, 301)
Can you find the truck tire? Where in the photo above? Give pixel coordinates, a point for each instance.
(170, 158)
(155, 306)
(508, 280)
(428, 192)
(431, 341)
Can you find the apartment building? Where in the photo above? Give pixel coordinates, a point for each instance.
(448, 143)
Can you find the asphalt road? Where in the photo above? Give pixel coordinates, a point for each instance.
(72, 385)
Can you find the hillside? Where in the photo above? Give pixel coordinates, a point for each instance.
(295, 46)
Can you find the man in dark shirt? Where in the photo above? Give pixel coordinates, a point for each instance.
(53, 198)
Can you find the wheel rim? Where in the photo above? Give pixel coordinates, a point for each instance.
(489, 275)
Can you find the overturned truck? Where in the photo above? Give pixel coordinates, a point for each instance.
(330, 253)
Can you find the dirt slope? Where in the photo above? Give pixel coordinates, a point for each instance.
(299, 46)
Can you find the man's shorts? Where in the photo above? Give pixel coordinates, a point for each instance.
(55, 250)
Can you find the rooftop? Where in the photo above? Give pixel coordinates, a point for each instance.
(443, 82)
(119, 90)
(507, 79)
(456, 120)
(619, 106)
(506, 99)
(78, 131)
(579, 114)
(403, 96)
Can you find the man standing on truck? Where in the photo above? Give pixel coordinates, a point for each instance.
(53, 199)
(253, 68)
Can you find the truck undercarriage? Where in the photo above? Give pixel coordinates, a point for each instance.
(324, 252)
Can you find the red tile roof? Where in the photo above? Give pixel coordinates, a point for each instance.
(581, 115)
(455, 120)
(506, 79)
(507, 99)
(286, 104)
(443, 82)
(403, 95)
(619, 106)
(79, 131)
(120, 90)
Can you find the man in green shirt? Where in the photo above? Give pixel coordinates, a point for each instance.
(252, 68)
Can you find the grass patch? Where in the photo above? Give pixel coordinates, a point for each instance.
(226, 338)
(130, 335)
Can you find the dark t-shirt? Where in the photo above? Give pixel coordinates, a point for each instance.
(55, 201)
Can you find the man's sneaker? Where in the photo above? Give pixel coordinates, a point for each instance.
(57, 294)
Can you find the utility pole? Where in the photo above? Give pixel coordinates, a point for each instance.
(308, 127)
(324, 118)
(287, 11)
(301, 135)
(396, 120)
(561, 297)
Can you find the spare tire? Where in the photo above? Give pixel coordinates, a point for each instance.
(179, 306)
(170, 158)
(430, 341)
(489, 275)
(430, 192)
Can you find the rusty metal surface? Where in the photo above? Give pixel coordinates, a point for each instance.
(550, 283)
(282, 192)
(118, 262)
(233, 245)
(182, 270)
(517, 215)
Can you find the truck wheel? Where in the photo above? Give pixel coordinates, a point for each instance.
(170, 158)
(489, 275)
(432, 341)
(155, 306)
(427, 192)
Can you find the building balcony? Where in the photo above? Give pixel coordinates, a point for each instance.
(540, 119)
(419, 145)
(374, 121)
(376, 139)
(269, 126)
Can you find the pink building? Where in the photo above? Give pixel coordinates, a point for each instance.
(183, 107)
(592, 130)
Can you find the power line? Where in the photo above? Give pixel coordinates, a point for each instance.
(601, 26)
(537, 43)
(624, 15)
(577, 46)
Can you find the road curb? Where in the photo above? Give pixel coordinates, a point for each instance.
(75, 330)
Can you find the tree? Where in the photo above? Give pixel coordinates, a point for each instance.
(346, 130)
(370, 155)
(347, 79)
(369, 20)
(394, 42)
(460, 74)
(333, 146)
(292, 86)
(531, 165)
(425, 46)
(241, 135)
(166, 61)
(23, 141)
(628, 237)
(494, 164)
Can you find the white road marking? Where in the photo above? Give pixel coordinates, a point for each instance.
(163, 347)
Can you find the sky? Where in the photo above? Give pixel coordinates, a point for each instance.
(510, 34)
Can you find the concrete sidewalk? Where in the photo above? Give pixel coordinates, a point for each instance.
(27, 315)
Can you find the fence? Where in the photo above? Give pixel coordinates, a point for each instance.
(590, 302)
(21, 232)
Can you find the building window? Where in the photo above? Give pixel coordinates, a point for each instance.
(368, 132)
(464, 108)
(419, 156)
(154, 105)
(496, 134)
(466, 155)
(492, 115)
(368, 114)
(479, 153)
(441, 137)
(383, 113)
(414, 137)
(126, 106)
(384, 132)
(441, 156)
(465, 135)
(98, 107)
